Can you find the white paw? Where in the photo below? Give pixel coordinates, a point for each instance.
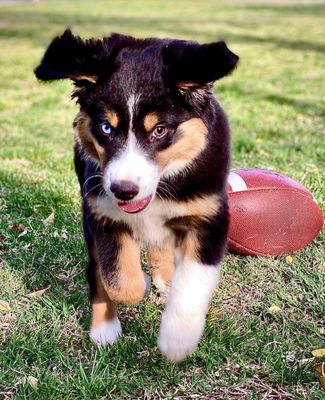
(160, 285)
(107, 333)
(183, 320)
(179, 335)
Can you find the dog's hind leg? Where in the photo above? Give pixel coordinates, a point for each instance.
(161, 260)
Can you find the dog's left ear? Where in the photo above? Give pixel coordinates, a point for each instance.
(69, 56)
(189, 64)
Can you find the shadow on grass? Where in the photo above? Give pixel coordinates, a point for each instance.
(39, 26)
(300, 105)
(314, 107)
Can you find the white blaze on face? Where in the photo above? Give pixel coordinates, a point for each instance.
(132, 164)
(132, 103)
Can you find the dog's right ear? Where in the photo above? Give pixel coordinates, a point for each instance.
(190, 63)
(69, 56)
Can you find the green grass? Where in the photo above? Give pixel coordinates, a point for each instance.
(275, 101)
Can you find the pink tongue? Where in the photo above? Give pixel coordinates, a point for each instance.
(134, 207)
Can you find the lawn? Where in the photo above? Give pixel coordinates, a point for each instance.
(275, 101)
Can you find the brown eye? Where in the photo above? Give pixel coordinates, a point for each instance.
(160, 131)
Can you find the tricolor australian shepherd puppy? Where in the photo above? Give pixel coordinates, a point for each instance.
(152, 157)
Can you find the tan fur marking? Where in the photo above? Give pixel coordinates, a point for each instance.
(112, 118)
(83, 136)
(92, 203)
(203, 207)
(161, 260)
(90, 78)
(129, 284)
(192, 85)
(190, 144)
(149, 122)
(187, 85)
(95, 209)
(103, 308)
(190, 246)
(192, 90)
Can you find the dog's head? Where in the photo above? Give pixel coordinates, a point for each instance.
(141, 103)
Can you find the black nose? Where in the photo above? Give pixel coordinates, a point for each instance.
(124, 190)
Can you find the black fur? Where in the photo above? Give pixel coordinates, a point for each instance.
(199, 64)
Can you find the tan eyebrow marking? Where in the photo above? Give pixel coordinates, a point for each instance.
(112, 118)
(149, 121)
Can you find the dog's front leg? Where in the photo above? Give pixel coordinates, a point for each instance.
(195, 278)
(117, 278)
(120, 267)
(105, 325)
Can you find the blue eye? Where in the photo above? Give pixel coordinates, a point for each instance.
(106, 128)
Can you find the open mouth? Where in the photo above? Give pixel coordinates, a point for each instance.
(133, 207)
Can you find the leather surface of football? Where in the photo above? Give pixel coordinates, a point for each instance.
(270, 214)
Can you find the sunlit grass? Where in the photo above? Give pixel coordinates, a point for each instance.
(275, 102)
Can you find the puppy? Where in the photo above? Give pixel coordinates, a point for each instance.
(152, 157)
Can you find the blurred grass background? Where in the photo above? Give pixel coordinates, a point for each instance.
(275, 102)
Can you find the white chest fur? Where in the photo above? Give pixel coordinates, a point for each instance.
(148, 226)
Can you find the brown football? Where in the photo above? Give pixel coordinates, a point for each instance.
(270, 214)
